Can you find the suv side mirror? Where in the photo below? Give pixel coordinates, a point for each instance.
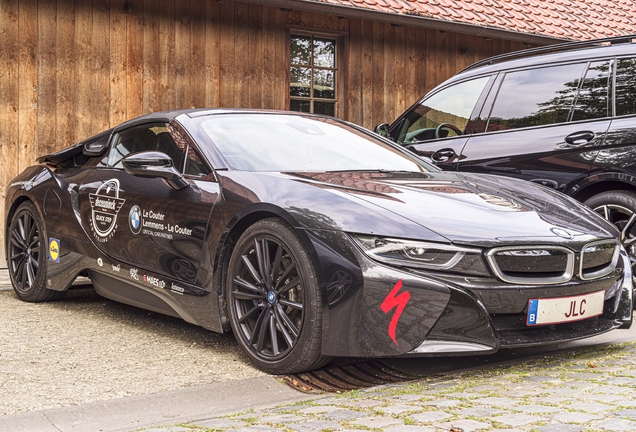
(382, 130)
(153, 164)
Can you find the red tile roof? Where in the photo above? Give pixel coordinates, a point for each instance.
(567, 19)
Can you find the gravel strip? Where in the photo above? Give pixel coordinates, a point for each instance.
(85, 348)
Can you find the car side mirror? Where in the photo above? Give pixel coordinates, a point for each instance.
(382, 130)
(152, 164)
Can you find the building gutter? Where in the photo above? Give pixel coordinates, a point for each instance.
(408, 20)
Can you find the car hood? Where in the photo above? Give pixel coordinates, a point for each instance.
(462, 208)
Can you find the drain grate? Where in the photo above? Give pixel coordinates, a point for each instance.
(343, 378)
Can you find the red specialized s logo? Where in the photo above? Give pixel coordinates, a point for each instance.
(392, 300)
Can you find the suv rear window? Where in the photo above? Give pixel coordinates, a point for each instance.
(626, 87)
(545, 96)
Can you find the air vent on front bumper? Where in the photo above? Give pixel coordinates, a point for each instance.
(532, 265)
(543, 265)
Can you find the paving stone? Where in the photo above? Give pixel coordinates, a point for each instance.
(608, 397)
(482, 388)
(610, 389)
(313, 425)
(485, 412)
(536, 409)
(559, 428)
(411, 428)
(518, 419)
(378, 422)
(592, 407)
(540, 378)
(575, 417)
(620, 381)
(398, 409)
(407, 397)
(582, 385)
(583, 375)
(362, 403)
(465, 425)
(282, 418)
(168, 429)
(444, 403)
(556, 391)
(554, 399)
(319, 409)
(631, 413)
(464, 395)
(624, 403)
(617, 425)
(497, 401)
(255, 429)
(345, 415)
(430, 416)
(217, 423)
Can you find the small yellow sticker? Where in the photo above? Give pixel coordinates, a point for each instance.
(54, 249)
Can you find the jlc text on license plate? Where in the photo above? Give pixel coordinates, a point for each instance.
(565, 309)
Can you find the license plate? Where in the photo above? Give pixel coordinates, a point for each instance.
(565, 309)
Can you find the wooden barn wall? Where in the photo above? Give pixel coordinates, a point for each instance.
(69, 69)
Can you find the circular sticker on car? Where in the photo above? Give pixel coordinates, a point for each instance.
(134, 219)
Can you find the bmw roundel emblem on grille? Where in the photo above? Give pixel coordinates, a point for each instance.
(562, 233)
(134, 219)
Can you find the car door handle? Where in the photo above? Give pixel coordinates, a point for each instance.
(443, 155)
(580, 138)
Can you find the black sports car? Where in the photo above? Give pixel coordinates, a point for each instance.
(310, 237)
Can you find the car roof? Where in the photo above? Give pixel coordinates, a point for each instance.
(551, 54)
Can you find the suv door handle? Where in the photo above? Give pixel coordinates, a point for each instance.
(580, 138)
(443, 155)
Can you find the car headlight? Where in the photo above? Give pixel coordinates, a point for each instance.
(423, 255)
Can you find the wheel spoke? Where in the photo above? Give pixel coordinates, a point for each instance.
(252, 270)
(19, 254)
(285, 274)
(288, 322)
(30, 273)
(239, 295)
(34, 263)
(276, 264)
(292, 304)
(25, 274)
(282, 327)
(273, 335)
(289, 285)
(242, 282)
(35, 243)
(261, 257)
(260, 345)
(22, 232)
(249, 314)
(605, 210)
(17, 240)
(257, 327)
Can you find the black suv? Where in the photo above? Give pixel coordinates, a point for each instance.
(563, 116)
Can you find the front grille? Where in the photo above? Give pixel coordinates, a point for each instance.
(598, 259)
(543, 265)
(535, 265)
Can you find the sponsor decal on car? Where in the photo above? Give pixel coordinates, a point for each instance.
(134, 274)
(154, 281)
(54, 249)
(134, 219)
(393, 300)
(105, 204)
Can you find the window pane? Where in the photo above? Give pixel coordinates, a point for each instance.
(144, 138)
(327, 108)
(194, 164)
(452, 105)
(591, 102)
(325, 53)
(300, 50)
(626, 87)
(300, 82)
(324, 84)
(299, 105)
(536, 97)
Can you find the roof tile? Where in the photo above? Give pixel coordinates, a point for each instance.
(568, 19)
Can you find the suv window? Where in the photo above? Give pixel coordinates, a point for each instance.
(148, 137)
(536, 97)
(451, 106)
(625, 87)
(593, 100)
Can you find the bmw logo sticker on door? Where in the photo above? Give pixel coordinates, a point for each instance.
(134, 219)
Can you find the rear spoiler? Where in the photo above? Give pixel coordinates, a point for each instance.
(91, 147)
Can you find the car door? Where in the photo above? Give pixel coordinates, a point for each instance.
(145, 222)
(438, 127)
(545, 124)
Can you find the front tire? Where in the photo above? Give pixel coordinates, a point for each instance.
(274, 300)
(27, 256)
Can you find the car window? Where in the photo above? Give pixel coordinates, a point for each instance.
(147, 137)
(451, 106)
(194, 164)
(278, 142)
(593, 100)
(536, 97)
(625, 87)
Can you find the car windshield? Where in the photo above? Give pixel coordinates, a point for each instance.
(279, 142)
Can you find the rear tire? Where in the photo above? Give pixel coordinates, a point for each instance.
(274, 300)
(26, 249)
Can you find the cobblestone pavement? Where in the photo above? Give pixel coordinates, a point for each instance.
(584, 390)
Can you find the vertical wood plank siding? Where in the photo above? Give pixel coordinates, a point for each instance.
(71, 69)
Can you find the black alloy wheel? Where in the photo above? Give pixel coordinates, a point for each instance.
(274, 301)
(27, 256)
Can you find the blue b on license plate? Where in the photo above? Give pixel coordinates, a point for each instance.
(565, 309)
